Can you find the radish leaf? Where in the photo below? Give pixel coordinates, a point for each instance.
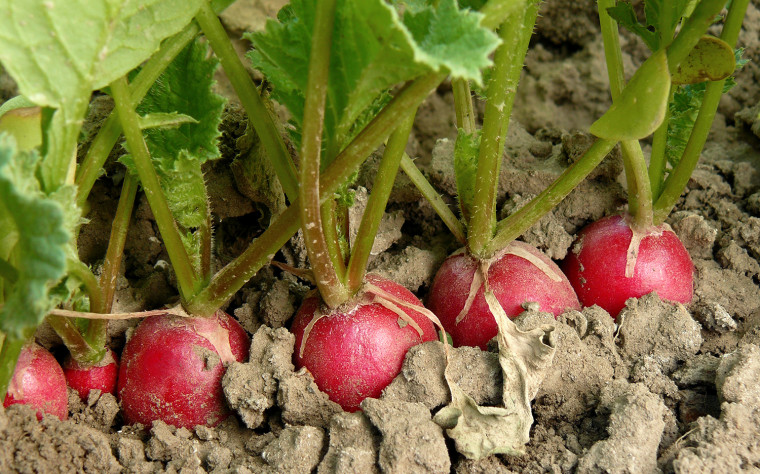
(33, 240)
(184, 92)
(183, 95)
(684, 109)
(373, 50)
(58, 52)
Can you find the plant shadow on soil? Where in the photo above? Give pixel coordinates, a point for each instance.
(671, 387)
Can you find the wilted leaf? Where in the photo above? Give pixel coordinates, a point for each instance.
(712, 59)
(524, 358)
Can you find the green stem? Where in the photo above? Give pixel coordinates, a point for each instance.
(678, 178)
(207, 237)
(463, 105)
(83, 273)
(232, 277)
(613, 55)
(330, 284)
(515, 34)
(431, 195)
(379, 128)
(183, 268)
(116, 242)
(258, 114)
(80, 348)
(657, 160)
(109, 132)
(329, 212)
(515, 225)
(8, 357)
(95, 336)
(636, 173)
(639, 193)
(381, 191)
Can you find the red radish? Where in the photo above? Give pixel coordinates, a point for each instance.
(172, 367)
(519, 274)
(38, 381)
(356, 351)
(610, 263)
(101, 376)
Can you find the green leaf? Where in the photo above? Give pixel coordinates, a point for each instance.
(712, 59)
(164, 120)
(59, 51)
(373, 50)
(640, 108)
(184, 91)
(662, 16)
(24, 122)
(466, 151)
(56, 50)
(185, 190)
(33, 239)
(684, 109)
(624, 14)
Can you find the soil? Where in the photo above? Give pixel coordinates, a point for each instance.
(666, 388)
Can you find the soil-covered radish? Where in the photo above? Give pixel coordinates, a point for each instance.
(38, 381)
(521, 274)
(171, 369)
(101, 376)
(610, 263)
(357, 350)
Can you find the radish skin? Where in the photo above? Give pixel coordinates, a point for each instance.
(357, 350)
(172, 367)
(101, 376)
(520, 275)
(38, 381)
(610, 263)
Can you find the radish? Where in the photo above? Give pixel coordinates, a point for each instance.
(354, 352)
(611, 262)
(101, 376)
(38, 381)
(520, 274)
(171, 369)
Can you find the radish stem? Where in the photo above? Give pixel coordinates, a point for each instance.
(515, 34)
(381, 191)
(82, 350)
(117, 240)
(258, 114)
(463, 105)
(321, 254)
(679, 177)
(109, 132)
(657, 160)
(431, 195)
(233, 276)
(11, 349)
(513, 226)
(186, 277)
(636, 173)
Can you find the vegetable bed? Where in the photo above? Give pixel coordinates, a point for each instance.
(659, 386)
